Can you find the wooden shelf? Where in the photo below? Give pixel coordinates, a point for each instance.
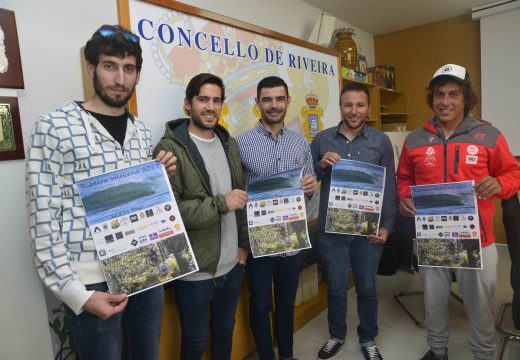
(360, 82)
(394, 114)
(390, 91)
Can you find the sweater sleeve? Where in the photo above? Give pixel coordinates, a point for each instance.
(44, 180)
(505, 168)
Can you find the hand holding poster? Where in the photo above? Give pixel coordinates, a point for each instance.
(136, 227)
(355, 198)
(276, 214)
(447, 225)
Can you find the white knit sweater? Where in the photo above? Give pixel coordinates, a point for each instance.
(67, 145)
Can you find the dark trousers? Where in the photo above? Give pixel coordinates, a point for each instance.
(220, 297)
(131, 334)
(261, 273)
(338, 252)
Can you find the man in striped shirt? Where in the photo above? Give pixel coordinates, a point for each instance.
(267, 149)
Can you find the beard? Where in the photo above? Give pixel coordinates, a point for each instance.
(110, 100)
(279, 116)
(195, 119)
(351, 126)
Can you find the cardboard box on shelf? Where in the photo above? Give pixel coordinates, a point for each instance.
(395, 126)
(347, 73)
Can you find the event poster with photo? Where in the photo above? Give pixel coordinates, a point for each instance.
(447, 225)
(136, 227)
(276, 214)
(355, 198)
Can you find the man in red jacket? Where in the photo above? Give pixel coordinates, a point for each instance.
(455, 146)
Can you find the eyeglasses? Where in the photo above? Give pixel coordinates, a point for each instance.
(111, 32)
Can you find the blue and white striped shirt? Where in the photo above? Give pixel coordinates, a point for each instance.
(262, 155)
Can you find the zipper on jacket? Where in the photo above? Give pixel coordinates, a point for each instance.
(445, 156)
(456, 161)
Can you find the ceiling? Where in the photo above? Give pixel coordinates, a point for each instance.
(382, 16)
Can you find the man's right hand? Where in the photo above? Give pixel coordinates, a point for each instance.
(329, 159)
(236, 199)
(406, 207)
(104, 304)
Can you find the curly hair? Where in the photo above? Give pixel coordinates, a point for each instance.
(470, 97)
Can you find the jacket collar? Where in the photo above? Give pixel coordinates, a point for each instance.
(178, 129)
(469, 123)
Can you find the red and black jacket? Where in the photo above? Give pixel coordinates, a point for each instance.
(475, 150)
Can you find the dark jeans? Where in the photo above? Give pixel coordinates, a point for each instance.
(220, 296)
(338, 253)
(261, 272)
(133, 333)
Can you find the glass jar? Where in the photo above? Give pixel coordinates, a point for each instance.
(347, 48)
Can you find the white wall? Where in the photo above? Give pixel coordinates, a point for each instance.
(50, 35)
(292, 17)
(500, 57)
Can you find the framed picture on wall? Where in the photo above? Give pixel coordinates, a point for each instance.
(11, 75)
(11, 142)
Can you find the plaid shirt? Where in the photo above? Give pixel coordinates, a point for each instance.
(262, 155)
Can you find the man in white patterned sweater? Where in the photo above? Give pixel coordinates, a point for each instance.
(76, 141)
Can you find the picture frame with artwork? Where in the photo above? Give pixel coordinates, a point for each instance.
(11, 75)
(11, 141)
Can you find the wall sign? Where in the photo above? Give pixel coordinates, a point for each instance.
(180, 41)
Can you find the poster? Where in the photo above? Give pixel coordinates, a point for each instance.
(180, 41)
(355, 198)
(276, 214)
(447, 225)
(136, 227)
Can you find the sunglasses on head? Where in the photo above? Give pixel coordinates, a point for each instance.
(111, 32)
